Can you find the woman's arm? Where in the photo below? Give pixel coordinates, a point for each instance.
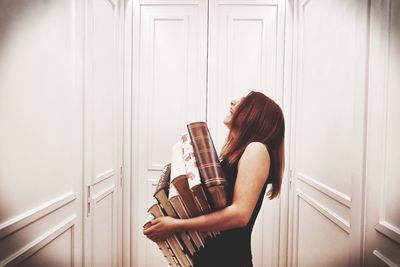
(253, 172)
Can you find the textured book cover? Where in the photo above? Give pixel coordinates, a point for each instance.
(193, 176)
(180, 195)
(161, 195)
(210, 168)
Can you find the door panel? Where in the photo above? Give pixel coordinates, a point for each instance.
(171, 43)
(103, 138)
(246, 53)
(382, 212)
(329, 95)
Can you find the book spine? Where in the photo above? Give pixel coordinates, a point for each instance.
(169, 211)
(210, 169)
(163, 183)
(179, 207)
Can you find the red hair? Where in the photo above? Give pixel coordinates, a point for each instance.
(258, 118)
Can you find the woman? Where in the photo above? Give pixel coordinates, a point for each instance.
(252, 157)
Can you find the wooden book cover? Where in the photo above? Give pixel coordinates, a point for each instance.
(176, 248)
(211, 172)
(161, 194)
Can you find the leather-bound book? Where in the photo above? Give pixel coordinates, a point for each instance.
(210, 168)
(161, 194)
(181, 196)
(177, 251)
(193, 176)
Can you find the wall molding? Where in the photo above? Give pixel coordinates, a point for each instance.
(331, 215)
(30, 216)
(104, 175)
(389, 230)
(41, 241)
(98, 197)
(383, 259)
(325, 189)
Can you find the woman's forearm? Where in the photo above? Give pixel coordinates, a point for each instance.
(224, 219)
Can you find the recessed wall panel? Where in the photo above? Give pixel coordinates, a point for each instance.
(40, 104)
(173, 76)
(243, 57)
(103, 231)
(59, 252)
(320, 243)
(392, 168)
(327, 88)
(104, 85)
(169, 92)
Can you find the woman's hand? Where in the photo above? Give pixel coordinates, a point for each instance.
(161, 228)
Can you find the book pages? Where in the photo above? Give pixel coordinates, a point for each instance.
(190, 161)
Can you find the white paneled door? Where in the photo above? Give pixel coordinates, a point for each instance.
(246, 53)
(171, 42)
(103, 136)
(193, 58)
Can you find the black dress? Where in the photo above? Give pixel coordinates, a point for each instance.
(231, 248)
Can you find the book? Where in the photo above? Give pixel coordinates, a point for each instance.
(177, 251)
(193, 176)
(161, 195)
(211, 172)
(180, 196)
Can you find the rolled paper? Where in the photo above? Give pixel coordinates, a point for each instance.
(211, 172)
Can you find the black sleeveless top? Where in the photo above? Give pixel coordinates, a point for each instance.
(231, 248)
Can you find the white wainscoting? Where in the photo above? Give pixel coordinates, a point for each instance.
(41, 120)
(382, 231)
(327, 151)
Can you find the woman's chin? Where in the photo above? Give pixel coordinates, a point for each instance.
(227, 120)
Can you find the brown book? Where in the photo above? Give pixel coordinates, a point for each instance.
(161, 194)
(210, 168)
(193, 177)
(182, 186)
(180, 209)
(177, 250)
(179, 180)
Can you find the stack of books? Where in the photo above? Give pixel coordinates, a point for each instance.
(191, 185)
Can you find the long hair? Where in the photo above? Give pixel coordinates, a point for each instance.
(258, 118)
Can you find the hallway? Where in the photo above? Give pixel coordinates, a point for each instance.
(94, 93)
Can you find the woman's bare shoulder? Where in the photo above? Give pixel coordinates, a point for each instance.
(255, 154)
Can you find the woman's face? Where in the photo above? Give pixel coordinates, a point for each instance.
(233, 107)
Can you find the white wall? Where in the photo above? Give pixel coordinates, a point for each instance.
(344, 205)
(60, 133)
(382, 225)
(334, 70)
(41, 122)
